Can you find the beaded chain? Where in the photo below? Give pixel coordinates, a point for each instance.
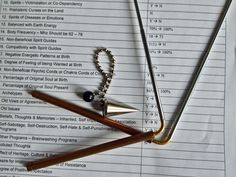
(107, 77)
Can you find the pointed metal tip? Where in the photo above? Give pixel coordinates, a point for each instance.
(113, 108)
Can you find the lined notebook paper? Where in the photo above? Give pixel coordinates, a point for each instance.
(49, 45)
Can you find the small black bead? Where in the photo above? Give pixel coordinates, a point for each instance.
(88, 96)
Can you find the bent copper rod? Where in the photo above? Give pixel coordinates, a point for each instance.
(151, 72)
(205, 55)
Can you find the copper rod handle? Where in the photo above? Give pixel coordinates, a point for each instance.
(85, 112)
(90, 151)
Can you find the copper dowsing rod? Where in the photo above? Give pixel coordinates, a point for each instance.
(84, 112)
(53, 160)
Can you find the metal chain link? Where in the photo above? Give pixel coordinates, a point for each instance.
(107, 77)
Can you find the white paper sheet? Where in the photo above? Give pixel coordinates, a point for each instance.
(230, 135)
(49, 45)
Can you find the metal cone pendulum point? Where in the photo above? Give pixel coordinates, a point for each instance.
(112, 108)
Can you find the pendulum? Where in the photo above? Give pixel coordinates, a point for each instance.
(109, 107)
